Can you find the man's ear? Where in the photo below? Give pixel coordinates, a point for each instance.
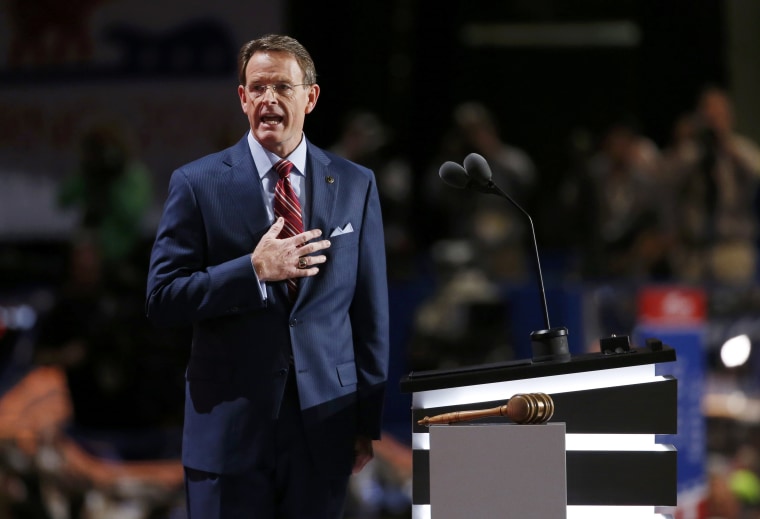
(313, 96)
(243, 98)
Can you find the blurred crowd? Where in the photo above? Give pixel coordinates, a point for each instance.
(625, 210)
(627, 207)
(107, 397)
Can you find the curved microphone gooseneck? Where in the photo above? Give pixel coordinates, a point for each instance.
(547, 344)
(477, 168)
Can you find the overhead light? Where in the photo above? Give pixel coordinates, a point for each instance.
(735, 351)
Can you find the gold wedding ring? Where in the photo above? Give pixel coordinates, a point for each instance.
(302, 263)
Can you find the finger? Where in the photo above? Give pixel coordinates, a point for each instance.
(304, 273)
(276, 227)
(307, 236)
(314, 247)
(304, 262)
(316, 260)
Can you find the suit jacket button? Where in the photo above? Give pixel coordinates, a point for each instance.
(293, 322)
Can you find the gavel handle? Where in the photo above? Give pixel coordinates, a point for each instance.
(462, 416)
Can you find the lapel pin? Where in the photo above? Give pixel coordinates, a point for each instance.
(329, 180)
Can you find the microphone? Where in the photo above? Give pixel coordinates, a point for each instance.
(477, 167)
(550, 343)
(456, 176)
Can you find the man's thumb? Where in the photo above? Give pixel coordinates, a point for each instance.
(276, 227)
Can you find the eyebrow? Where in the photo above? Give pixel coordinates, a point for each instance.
(269, 79)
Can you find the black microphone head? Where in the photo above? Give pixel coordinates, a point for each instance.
(453, 174)
(478, 169)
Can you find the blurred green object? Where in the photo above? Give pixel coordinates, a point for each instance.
(112, 189)
(745, 485)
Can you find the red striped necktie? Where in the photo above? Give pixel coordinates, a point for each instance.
(286, 204)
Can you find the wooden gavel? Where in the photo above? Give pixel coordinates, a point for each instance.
(528, 408)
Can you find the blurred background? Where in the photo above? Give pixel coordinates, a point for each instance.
(628, 130)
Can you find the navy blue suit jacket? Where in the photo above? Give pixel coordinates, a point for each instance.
(337, 329)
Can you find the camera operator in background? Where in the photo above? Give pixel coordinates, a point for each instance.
(714, 173)
(622, 220)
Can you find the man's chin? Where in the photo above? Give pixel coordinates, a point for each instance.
(269, 139)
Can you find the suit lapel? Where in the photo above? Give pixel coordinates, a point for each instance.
(246, 195)
(323, 184)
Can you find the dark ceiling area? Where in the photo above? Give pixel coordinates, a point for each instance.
(411, 63)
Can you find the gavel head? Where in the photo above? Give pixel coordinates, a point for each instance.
(530, 408)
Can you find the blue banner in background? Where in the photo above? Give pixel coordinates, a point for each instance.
(689, 371)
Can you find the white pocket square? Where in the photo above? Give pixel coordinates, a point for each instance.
(345, 230)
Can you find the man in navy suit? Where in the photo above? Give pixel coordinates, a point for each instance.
(284, 394)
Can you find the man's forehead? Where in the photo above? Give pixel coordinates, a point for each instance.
(269, 62)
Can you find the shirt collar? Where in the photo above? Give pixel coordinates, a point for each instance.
(265, 159)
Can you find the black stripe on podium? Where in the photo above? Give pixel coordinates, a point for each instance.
(594, 478)
(421, 477)
(621, 478)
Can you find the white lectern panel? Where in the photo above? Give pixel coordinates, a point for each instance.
(498, 470)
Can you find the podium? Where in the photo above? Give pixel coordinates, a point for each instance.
(611, 405)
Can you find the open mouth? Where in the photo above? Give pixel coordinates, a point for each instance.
(271, 120)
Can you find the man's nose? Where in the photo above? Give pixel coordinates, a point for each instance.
(268, 89)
